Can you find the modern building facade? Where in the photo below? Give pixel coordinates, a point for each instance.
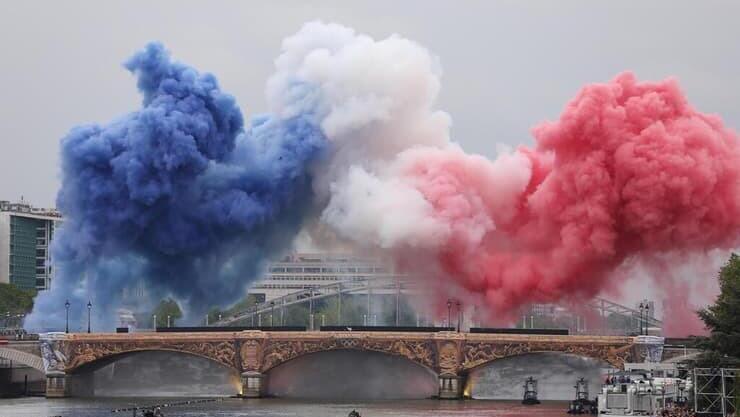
(304, 271)
(25, 235)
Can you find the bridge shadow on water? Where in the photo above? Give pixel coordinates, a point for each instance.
(556, 373)
(154, 374)
(351, 374)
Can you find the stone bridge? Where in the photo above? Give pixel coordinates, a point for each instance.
(254, 353)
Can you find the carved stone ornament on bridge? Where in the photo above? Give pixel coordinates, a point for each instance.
(280, 351)
(479, 353)
(449, 362)
(81, 353)
(250, 355)
(54, 360)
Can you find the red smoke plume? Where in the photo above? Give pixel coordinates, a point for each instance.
(630, 169)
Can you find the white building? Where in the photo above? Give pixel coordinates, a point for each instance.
(25, 234)
(303, 271)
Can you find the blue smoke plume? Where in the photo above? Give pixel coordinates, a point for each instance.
(177, 195)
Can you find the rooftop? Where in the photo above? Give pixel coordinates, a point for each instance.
(24, 207)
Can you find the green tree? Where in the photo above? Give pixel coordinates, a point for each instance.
(243, 304)
(353, 309)
(168, 307)
(722, 318)
(295, 315)
(14, 302)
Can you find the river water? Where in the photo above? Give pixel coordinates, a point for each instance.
(231, 407)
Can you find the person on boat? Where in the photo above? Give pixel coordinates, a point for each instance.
(354, 413)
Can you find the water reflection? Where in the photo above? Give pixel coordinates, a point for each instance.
(101, 407)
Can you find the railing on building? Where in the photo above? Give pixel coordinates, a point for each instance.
(387, 285)
(398, 285)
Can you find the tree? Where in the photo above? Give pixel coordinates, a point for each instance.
(14, 302)
(722, 318)
(243, 304)
(168, 307)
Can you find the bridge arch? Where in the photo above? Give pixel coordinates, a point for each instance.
(82, 353)
(351, 374)
(556, 373)
(540, 353)
(153, 372)
(25, 358)
(102, 361)
(420, 352)
(476, 354)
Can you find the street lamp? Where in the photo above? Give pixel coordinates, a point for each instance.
(89, 309)
(449, 312)
(643, 317)
(66, 307)
(459, 316)
(647, 315)
(272, 311)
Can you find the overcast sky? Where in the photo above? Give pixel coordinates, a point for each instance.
(507, 64)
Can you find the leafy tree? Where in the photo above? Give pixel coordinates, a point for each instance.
(295, 315)
(245, 303)
(353, 311)
(722, 318)
(168, 307)
(13, 302)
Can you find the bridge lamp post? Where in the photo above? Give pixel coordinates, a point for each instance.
(66, 307)
(647, 315)
(449, 312)
(272, 311)
(642, 309)
(89, 310)
(459, 316)
(168, 320)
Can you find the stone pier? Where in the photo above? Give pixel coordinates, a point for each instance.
(451, 387)
(56, 384)
(252, 384)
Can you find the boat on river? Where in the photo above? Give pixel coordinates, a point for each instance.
(582, 404)
(530, 392)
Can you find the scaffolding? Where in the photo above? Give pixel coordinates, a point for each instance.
(715, 391)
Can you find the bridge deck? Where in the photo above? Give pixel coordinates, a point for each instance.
(310, 335)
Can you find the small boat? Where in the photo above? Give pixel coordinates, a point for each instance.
(153, 412)
(582, 404)
(354, 413)
(530, 392)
